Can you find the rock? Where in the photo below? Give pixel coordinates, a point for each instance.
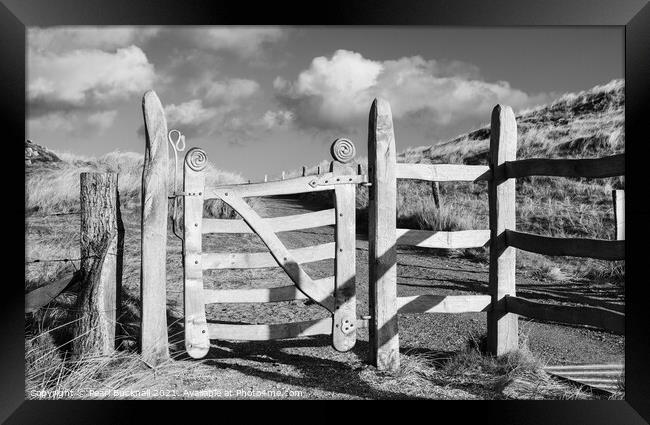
(38, 154)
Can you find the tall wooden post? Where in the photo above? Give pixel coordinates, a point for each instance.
(382, 255)
(153, 338)
(344, 334)
(101, 236)
(197, 340)
(618, 197)
(502, 327)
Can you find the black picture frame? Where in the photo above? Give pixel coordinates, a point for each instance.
(634, 15)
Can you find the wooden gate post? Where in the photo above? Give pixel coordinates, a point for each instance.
(344, 333)
(101, 236)
(502, 327)
(153, 278)
(382, 237)
(618, 196)
(197, 339)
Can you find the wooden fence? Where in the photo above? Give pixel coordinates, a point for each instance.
(501, 302)
(502, 305)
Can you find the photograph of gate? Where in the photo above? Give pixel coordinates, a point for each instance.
(221, 212)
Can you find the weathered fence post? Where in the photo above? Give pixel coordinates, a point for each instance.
(435, 190)
(382, 255)
(101, 236)
(502, 327)
(618, 197)
(344, 334)
(153, 282)
(304, 171)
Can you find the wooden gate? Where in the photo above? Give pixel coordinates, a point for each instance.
(335, 294)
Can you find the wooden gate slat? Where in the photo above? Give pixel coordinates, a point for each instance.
(279, 251)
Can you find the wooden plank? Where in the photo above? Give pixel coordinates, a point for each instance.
(282, 255)
(280, 187)
(197, 342)
(262, 295)
(344, 333)
(382, 237)
(443, 304)
(619, 213)
(575, 247)
(444, 172)
(230, 332)
(502, 327)
(43, 295)
(573, 315)
(278, 224)
(153, 276)
(256, 260)
(609, 166)
(445, 240)
(96, 305)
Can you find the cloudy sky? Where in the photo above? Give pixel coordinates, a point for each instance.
(264, 99)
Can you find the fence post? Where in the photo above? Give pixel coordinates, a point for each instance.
(304, 171)
(344, 334)
(153, 282)
(382, 255)
(435, 190)
(101, 238)
(618, 196)
(502, 327)
(197, 339)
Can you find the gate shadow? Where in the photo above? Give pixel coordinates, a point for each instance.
(315, 372)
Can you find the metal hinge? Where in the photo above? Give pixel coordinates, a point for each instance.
(332, 180)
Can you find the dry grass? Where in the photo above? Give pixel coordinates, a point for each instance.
(54, 189)
(471, 372)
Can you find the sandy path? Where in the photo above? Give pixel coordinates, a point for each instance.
(307, 364)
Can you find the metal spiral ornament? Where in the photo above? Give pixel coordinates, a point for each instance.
(343, 150)
(196, 159)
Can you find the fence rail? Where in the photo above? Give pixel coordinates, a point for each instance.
(278, 224)
(446, 240)
(572, 315)
(610, 166)
(256, 260)
(575, 247)
(443, 304)
(443, 172)
(262, 295)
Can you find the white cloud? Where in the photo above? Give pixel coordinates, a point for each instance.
(189, 114)
(336, 92)
(228, 90)
(86, 78)
(244, 41)
(75, 123)
(277, 119)
(61, 39)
